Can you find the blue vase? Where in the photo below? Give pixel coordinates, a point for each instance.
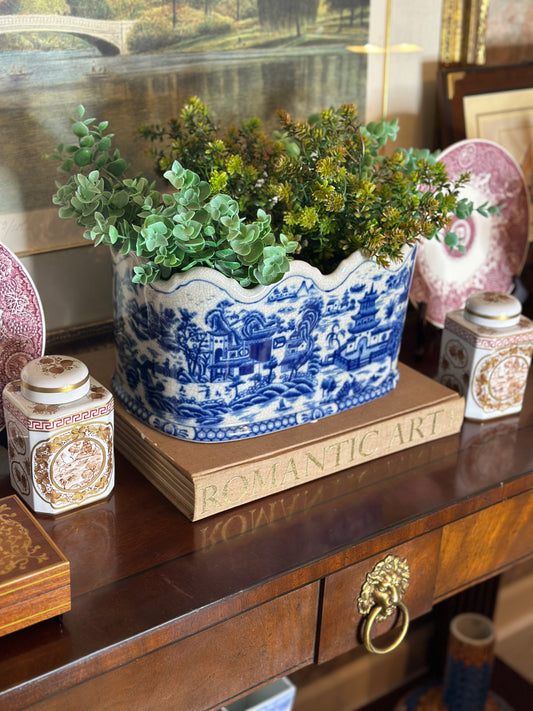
(467, 674)
(469, 661)
(200, 358)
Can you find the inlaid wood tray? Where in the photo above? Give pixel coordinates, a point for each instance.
(34, 574)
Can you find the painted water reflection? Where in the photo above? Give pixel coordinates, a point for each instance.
(39, 91)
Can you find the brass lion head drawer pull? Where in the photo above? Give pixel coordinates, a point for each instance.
(381, 596)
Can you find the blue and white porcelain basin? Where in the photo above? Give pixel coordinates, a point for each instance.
(203, 359)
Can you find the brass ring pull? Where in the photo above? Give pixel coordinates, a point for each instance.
(381, 596)
(376, 610)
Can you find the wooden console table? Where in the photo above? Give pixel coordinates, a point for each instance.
(168, 614)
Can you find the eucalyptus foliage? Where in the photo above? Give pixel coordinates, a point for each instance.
(325, 182)
(170, 232)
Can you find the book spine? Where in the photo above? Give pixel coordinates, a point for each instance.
(241, 484)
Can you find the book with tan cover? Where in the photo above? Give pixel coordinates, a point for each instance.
(202, 479)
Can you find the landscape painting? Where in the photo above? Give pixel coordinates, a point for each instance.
(135, 62)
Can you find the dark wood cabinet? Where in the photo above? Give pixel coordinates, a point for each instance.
(169, 614)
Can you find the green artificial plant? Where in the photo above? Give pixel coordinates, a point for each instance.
(170, 232)
(242, 201)
(325, 181)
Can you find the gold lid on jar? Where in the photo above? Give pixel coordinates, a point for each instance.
(493, 309)
(54, 380)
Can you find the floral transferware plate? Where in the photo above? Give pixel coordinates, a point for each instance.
(22, 328)
(495, 246)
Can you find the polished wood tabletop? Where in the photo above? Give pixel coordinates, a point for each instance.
(169, 614)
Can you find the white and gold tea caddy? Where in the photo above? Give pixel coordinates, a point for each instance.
(59, 424)
(485, 354)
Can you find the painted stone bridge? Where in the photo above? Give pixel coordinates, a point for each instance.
(107, 35)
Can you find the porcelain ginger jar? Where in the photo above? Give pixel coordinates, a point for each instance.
(59, 423)
(485, 354)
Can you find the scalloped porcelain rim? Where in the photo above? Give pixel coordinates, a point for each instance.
(325, 282)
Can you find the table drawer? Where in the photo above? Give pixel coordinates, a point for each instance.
(208, 669)
(341, 624)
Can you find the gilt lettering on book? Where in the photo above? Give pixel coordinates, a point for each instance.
(318, 460)
(360, 485)
(203, 479)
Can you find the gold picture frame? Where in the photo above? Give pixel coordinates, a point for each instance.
(463, 30)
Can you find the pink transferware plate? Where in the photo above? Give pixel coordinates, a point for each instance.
(495, 246)
(22, 329)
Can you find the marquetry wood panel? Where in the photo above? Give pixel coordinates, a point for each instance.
(480, 545)
(341, 623)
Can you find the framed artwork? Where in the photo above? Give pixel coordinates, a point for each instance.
(505, 117)
(243, 59)
(455, 84)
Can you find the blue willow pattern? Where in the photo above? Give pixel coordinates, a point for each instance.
(203, 365)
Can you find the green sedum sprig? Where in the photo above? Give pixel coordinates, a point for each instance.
(171, 232)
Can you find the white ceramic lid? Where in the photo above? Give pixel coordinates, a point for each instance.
(493, 309)
(54, 380)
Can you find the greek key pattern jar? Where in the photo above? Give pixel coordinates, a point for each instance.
(59, 423)
(485, 354)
